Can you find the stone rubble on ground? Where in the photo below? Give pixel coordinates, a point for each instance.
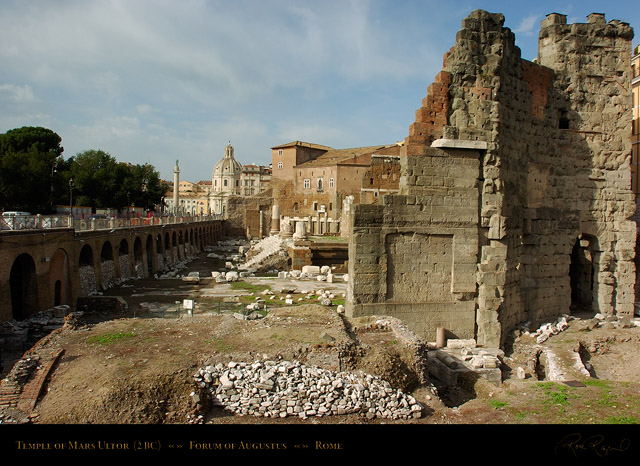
(278, 389)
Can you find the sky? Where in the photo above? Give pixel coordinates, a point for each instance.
(163, 80)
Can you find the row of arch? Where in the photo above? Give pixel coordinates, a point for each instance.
(89, 264)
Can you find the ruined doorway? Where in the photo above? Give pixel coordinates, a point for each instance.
(59, 279)
(23, 286)
(57, 293)
(581, 272)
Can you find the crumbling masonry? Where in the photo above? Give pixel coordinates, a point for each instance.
(515, 202)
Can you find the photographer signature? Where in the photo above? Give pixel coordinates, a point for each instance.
(595, 444)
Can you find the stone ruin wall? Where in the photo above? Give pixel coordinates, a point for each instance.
(483, 238)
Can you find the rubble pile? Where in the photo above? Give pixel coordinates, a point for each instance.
(283, 388)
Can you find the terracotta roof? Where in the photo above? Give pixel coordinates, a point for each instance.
(303, 144)
(341, 156)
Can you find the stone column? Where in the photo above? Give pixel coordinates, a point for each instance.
(275, 219)
(176, 187)
(301, 231)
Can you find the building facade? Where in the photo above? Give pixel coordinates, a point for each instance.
(312, 179)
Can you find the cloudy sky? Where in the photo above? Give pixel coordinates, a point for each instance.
(160, 80)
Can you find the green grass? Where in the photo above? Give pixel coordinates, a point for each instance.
(249, 287)
(597, 383)
(221, 346)
(622, 420)
(557, 394)
(496, 404)
(110, 338)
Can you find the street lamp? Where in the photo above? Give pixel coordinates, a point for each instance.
(71, 185)
(53, 170)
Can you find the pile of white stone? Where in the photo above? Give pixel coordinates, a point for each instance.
(548, 329)
(283, 388)
(313, 272)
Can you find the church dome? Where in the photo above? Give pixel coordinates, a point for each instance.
(227, 166)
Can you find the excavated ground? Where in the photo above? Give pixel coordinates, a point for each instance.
(139, 370)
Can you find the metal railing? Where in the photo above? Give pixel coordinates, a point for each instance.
(40, 222)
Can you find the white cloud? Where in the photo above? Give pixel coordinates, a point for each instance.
(16, 94)
(528, 25)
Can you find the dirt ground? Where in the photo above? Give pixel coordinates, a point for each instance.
(139, 370)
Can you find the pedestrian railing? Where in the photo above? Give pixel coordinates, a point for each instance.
(39, 222)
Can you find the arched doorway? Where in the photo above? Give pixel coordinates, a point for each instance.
(581, 274)
(59, 278)
(23, 286)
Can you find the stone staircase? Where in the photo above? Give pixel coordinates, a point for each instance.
(266, 247)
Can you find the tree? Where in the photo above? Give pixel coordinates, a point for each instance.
(27, 159)
(101, 181)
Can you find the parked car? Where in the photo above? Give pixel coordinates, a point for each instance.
(97, 216)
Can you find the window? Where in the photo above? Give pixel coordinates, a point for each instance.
(279, 151)
(331, 182)
(279, 165)
(225, 182)
(307, 183)
(315, 206)
(319, 184)
(295, 206)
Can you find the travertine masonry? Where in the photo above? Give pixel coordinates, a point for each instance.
(515, 201)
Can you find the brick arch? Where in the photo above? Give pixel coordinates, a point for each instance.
(149, 250)
(107, 265)
(23, 286)
(59, 278)
(138, 257)
(124, 259)
(86, 267)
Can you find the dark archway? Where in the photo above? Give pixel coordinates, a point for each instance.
(57, 293)
(149, 249)
(124, 260)
(24, 287)
(581, 273)
(137, 257)
(59, 278)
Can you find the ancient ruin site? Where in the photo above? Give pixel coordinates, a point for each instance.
(495, 284)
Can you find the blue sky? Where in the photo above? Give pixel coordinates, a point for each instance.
(155, 81)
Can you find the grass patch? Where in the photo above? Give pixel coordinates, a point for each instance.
(249, 287)
(622, 420)
(556, 394)
(597, 383)
(495, 404)
(109, 338)
(520, 415)
(220, 345)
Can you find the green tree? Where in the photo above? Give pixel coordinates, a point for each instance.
(28, 156)
(101, 181)
(95, 175)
